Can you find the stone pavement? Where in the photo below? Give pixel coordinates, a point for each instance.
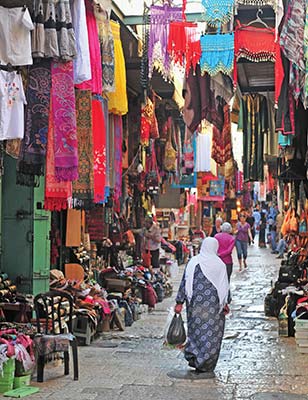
(255, 363)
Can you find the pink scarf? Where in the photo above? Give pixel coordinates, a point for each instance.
(64, 117)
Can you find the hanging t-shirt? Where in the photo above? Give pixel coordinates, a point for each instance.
(12, 100)
(15, 36)
(203, 153)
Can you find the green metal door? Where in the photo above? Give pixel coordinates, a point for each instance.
(25, 253)
(41, 243)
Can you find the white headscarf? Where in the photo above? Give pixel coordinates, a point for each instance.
(212, 268)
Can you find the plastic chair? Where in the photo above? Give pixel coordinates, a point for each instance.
(50, 309)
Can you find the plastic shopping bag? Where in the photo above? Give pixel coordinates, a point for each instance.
(176, 334)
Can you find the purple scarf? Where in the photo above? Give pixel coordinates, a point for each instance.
(64, 114)
(161, 16)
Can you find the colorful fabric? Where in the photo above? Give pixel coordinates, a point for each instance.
(306, 56)
(95, 219)
(118, 138)
(53, 35)
(184, 44)
(83, 188)
(107, 47)
(160, 18)
(222, 140)
(217, 53)
(33, 150)
(99, 151)
(117, 100)
(95, 83)
(218, 12)
(258, 45)
(292, 33)
(57, 194)
(106, 116)
(64, 114)
(205, 323)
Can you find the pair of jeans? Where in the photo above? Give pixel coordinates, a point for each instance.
(281, 247)
(241, 249)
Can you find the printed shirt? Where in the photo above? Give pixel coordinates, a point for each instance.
(153, 243)
(242, 233)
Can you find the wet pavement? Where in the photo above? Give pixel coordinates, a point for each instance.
(255, 363)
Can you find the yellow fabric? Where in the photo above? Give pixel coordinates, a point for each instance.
(118, 99)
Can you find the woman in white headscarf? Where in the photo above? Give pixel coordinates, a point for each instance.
(204, 288)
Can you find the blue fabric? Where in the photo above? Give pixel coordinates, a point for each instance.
(205, 323)
(285, 140)
(218, 12)
(217, 53)
(241, 249)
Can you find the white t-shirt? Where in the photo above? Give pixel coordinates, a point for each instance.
(12, 101)
(15, 36)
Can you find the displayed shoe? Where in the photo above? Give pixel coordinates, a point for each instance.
(279, 257)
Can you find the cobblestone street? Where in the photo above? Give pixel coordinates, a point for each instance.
(254, 362)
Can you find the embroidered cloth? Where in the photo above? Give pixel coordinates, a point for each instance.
(257, 45)
(33, 150)
(64, 114)
(217, 53)
(222, 142)
(57, 193)
(99, 150)
(160, 18)
(184, 44)
(84, 186)
(218, 12)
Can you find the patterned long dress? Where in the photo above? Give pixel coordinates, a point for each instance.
(205, 323)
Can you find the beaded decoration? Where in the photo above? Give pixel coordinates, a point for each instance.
(218, 12)
(217, 53)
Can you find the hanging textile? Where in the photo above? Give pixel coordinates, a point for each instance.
(99, 150)
(57, 194)
(83, 187)
(12, 147)
(102, 15)
(95, 83)
(217, 53)
(292, 33)
(184, 44)
(258, 45)
(12, 101)
(160, 18)
(118, 137)
(203, 162)
(31, 160)
(106, 117)
(82, 64)
(53, 35)
(64, 114)
(218, 12)
(222, 86)
(96, 223)
(199, 101)
(117, 100)
(255, 124)
(222, 143)
(306, 57)
(111, 151)
(73, 228)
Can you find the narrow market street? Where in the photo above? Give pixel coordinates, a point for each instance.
(255, 363)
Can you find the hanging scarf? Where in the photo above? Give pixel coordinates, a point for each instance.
(106, 116)
(217, 53)
(258, 45)
(64, 114)
(212, 268)
(57, 193)
(99, 150)
(84, 186)
(218, 12)
(184, 44)
(158, 56)
(118, 137)
(33, 150)
(221, 144)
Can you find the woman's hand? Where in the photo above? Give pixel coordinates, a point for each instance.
(178, 308)
(226, 309)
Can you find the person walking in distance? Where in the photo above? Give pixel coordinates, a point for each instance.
(204, 288)
(243, 234)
